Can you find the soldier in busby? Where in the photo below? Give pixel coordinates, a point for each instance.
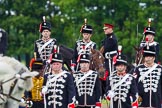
(3, 41)
(149, 80)
(87, 83)
(43, 47)
(58, 88)
(84, 45)
(121, 88)
(149, 33)
(35, 94)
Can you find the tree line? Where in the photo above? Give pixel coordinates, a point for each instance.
(21, 20)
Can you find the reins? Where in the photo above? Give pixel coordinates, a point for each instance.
(12, 86)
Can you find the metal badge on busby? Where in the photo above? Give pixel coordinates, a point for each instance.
(149, 30)
(149, 51)
(84, 58)
(86, 28)
(36, 64)
(56, 56)
(44, 25)
(121, 59)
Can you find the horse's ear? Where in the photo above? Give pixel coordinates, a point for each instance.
(93, 51)
(101, 49)
(135, 47)
(29, 74)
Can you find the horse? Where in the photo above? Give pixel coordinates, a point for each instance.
(15, 79)
(67, 55)
(3, 41)
(96, 60)
(139, 55)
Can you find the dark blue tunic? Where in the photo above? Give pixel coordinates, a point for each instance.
(125, 93)
(88, 90)
(60, 92)
(150, 86)
(110, 45)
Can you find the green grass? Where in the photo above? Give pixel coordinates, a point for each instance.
(105, 103)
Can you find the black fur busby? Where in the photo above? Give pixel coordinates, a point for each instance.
(36, 64)
(87, 29)
(56, 57)
(149, 30)
(149, 51)
(121, 59)
(45, 25)
(85, 58)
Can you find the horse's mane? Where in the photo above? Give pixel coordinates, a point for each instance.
(15, 64)
(67, 52)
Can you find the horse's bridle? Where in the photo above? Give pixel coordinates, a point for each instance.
(12, 86)
(96, 67)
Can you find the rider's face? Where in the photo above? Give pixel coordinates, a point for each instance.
(56, 67)
(46, 33)
(121, 68)
(84, 67)
(149, 59)
(86, 36)
(150, 37)
(108, 30)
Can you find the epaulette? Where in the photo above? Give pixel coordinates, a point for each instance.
(38, 40)
(54, 39)
(78, 41)
(2, 30)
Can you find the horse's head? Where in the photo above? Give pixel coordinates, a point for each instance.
(67, 55)
(97, 62)
(139, 55)
(16, 80)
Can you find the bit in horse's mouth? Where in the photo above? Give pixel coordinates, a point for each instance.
(101, 74)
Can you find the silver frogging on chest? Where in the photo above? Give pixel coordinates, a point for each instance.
(87, 85)
(56, 89)
(83, 47)
(121, 92)
(46, 51)
(151, 81)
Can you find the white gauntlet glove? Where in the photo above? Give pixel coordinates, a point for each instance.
(44, 90)
(111, 94)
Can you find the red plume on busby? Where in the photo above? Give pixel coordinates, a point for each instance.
(119, 53)
(55, 56)
(55, 49)
(31, 62)
(120, 58)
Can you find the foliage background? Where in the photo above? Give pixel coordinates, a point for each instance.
(21, 19)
